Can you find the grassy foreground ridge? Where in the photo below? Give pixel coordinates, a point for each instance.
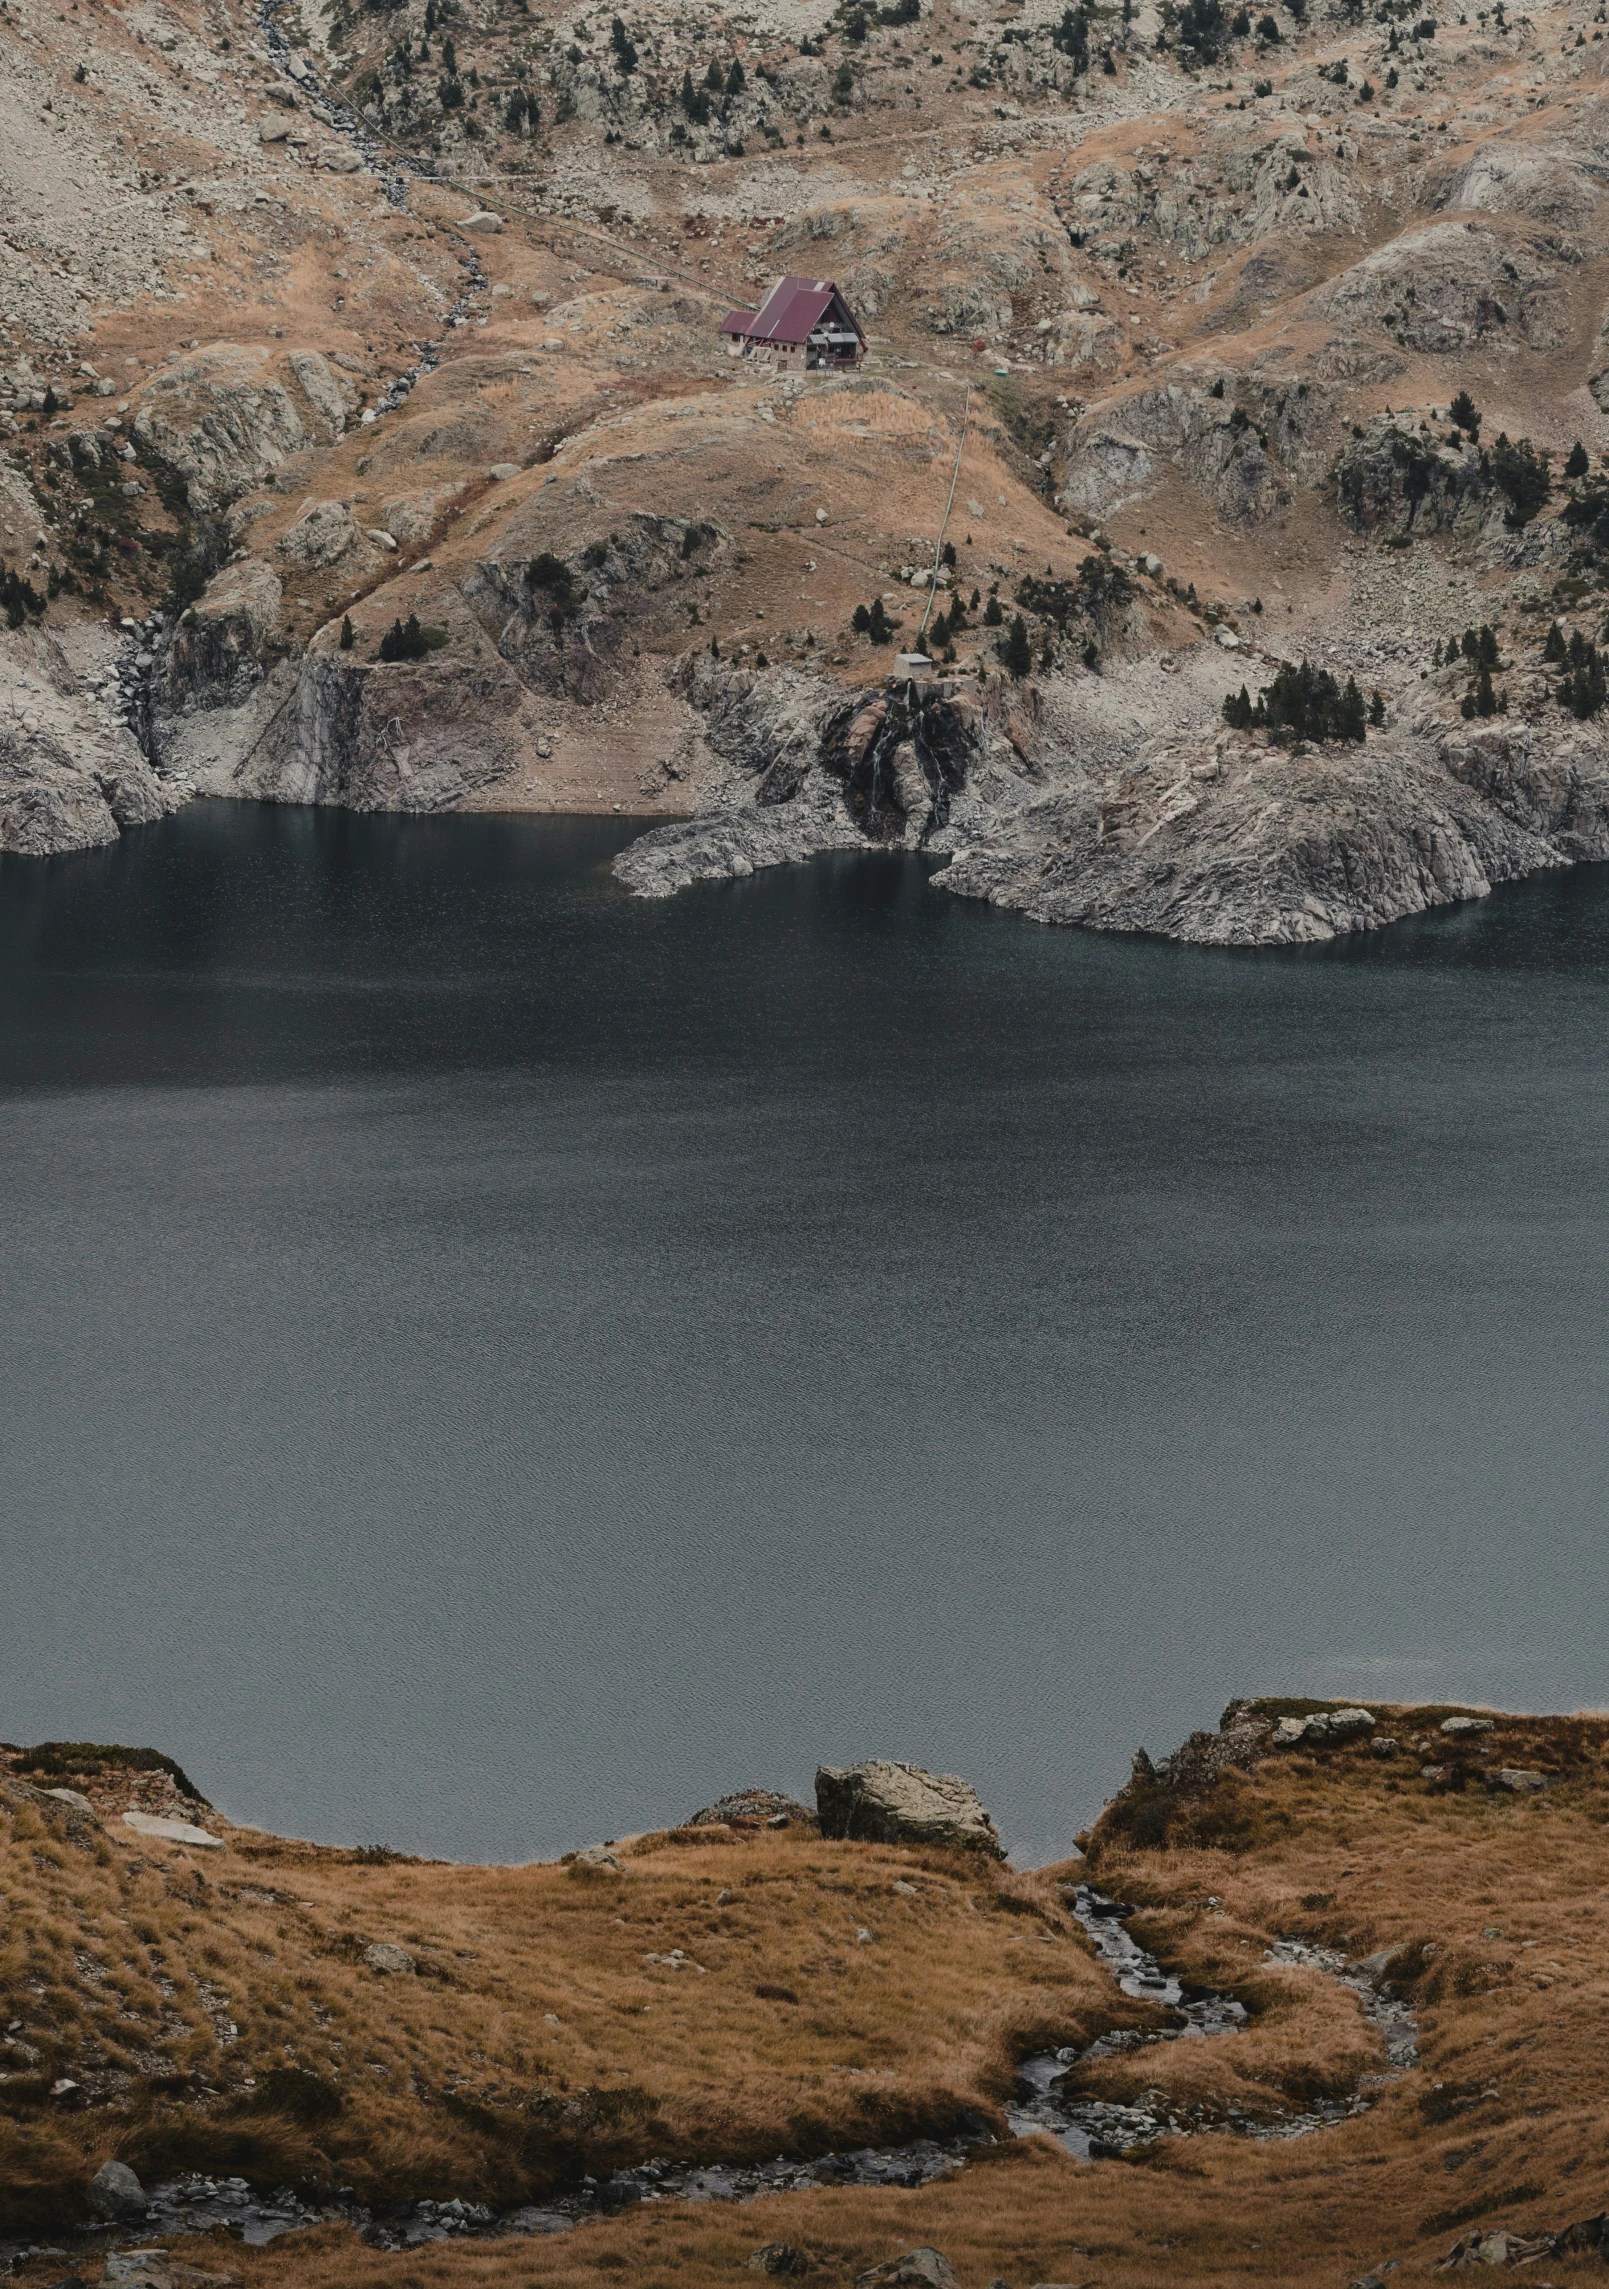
(730, 1994)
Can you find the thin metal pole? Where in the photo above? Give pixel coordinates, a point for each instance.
(938, 545)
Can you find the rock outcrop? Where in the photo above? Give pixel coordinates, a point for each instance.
(226, 417)
(880, 1802)
(754, 1808)
(70, 778)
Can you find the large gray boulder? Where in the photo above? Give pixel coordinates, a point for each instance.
(115, 2192)
(880, 1802)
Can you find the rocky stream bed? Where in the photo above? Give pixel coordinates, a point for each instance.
(1090, 2129)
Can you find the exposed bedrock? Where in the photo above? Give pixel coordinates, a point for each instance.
(70, 778)
(1062, 801)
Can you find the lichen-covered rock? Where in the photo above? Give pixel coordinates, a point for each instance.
(881, 1802)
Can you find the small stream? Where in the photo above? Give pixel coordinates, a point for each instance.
(1096, 2129)
(1090, 2128)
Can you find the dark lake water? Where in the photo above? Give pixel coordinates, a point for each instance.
(486, 1364)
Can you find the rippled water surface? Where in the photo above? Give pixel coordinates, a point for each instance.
(485, 1364)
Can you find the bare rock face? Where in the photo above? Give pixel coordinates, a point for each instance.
(69, 780)
(566, 623)
(324, 535)
(1214, 442)
(1454, 284)
(1548, 184)
(224, 418)
(1397, 485)
(1236, 844)
(884, 1803)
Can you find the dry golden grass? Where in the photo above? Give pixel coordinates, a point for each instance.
(1492, 1903)
(538, 2038)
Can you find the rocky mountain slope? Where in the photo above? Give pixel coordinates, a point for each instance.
(370, 438)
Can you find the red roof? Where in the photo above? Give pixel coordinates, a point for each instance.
(792, 311)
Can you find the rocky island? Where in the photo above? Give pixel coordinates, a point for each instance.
(1315, 2000)
(1229, 439)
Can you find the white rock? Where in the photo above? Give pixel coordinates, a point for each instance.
(501, 471)
(71, 1796)
(482, 219)
(598, 1856)
(171, 1831)
(1460, 1725)
(383, 1956)
(380, 536)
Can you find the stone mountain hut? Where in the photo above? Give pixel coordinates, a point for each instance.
(802, 323)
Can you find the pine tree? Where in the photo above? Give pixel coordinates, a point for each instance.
(1553, 648)
(735, 80)
(1018, 652)
(1377, 710)
(1577, 464)
(347, 632)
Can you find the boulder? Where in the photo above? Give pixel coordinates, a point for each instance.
(1516, 1777)
(115, 2192)
(74, 1797)
(780, 2259)
(881, 1802)
(917, 2269)
(315, 378)
(1323, 1729)
(323, 535)
(1460, 1727)
(384, 1956)
(483, 220)
(595, 1856)
(171, 1831)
